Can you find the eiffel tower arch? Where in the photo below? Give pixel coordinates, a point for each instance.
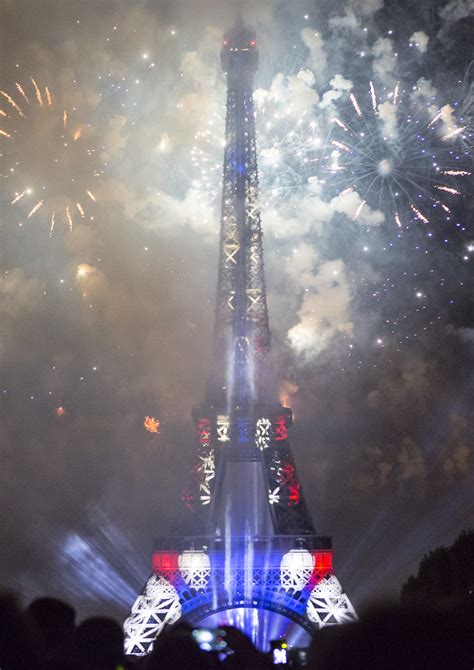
(260, 563)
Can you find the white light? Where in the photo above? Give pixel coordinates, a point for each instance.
(296, 569)
(262, 433)
(195, 567)
(222, 427)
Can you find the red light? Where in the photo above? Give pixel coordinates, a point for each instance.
(281, 432)
(204, 429)
(260, 345)
(165, 561)
(60, 411)
(294, 497)
(323, 562)
(188, 499)
(252, 43)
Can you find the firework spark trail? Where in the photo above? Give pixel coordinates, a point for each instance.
(36, 208)
(457, 173)
(77, 134)
(19, 197)
(10, 100)
(340, 124)
(340, 145)
(64, 118)
(91, 196)
(4, 133)
(396, 93)
(350, 189)
(20, 88)
(51, 226)
(373, 96)
(434, 119)
(37, 92)
(69, 218)
(448, 189)
(79, 209)
(418, 214)
(359, 209)
(48, 96)
(453, 133)
(355, 104)
(443, 206)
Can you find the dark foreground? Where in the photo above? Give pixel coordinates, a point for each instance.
(45, 636)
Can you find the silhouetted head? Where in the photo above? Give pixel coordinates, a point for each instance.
(20, 646)
(54, 619)
(177, 650)
(98, 643)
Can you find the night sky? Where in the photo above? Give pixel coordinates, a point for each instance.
(110, 164)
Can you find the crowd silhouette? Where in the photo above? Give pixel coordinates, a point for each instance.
(46, 636)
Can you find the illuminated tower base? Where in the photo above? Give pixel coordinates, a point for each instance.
(282, 585)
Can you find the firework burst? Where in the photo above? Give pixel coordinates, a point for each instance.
(401, 154)
(289, 154)
(47, 167)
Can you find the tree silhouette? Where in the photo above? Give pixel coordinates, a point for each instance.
(445, 576)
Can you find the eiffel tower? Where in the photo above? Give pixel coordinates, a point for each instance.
(259, 564)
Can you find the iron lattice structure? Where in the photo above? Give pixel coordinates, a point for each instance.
(260, 549)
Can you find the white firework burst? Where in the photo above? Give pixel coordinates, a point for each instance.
(400, 153)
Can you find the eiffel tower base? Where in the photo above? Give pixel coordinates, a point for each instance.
(206, 579)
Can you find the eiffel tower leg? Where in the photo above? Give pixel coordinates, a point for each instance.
(156, 606)
(327, 604)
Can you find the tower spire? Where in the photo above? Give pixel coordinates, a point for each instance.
(239, 21)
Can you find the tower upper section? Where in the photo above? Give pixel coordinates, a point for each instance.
(242, 334)
(239, 55)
